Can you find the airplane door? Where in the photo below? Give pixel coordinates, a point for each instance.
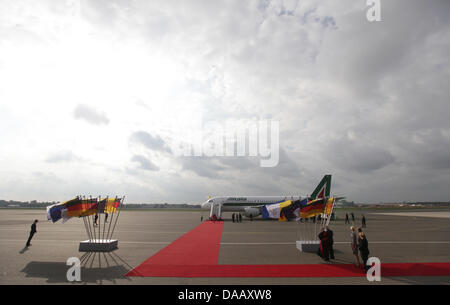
(215, 210)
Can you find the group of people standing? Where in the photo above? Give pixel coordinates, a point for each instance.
(236, 217)
(358, 243)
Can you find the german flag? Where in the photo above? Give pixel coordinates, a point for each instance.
(313, 208)
(82, 207)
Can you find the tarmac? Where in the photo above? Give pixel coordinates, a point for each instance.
(393, 238)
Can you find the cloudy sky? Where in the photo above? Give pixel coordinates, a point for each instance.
(93, 94)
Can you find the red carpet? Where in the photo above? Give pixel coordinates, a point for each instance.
(200, 246)
(195, 254)
(306, 270)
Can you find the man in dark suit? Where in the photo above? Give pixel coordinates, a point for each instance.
(32, 232)
(330, 242)
(363, 246)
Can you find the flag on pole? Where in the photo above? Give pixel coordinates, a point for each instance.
(291, 211)
(83, 208)
(102, 205)
(111, 205)
(329, 206)
(282, 217)
(313, 208)
(54, 212)
(273, 210)
(264, 212)
(283, 206)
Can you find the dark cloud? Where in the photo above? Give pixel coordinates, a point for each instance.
(90, 115)
(357, 156)
(286, 167)
(144, 163)
(428, 149)
(149, 141)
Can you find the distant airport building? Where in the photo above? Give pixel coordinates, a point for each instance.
(344, 204)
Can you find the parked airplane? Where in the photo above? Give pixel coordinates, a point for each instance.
(251, 205)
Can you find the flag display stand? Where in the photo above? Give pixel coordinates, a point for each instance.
(308, 241)
(99, 234)
(98, 245)
(311, 246)
(100, 216)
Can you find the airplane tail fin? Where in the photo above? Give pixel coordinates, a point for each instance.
(323, 189)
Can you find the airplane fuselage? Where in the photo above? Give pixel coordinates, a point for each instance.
(252, 205)
(245, 203)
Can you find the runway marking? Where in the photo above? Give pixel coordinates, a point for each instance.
(345, 242)
(73, 241)
(232, 243)
(441, 214)
(121, 231)
(288, 243)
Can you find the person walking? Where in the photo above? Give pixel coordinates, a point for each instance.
(363, 246)
(240, 217)
(32, 232)
(232, 217)
(363, 221)
(353, 217)
(354, 244)
(346, 218)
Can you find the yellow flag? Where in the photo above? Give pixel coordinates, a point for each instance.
(329, 206)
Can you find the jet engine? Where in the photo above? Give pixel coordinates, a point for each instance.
(252, 212)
